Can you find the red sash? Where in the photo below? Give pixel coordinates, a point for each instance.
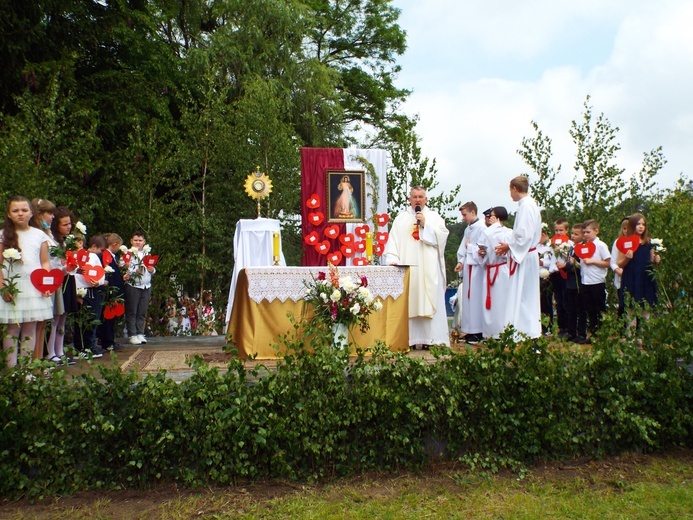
(513, 264)
(490, 281)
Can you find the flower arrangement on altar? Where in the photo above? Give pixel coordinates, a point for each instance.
(341, 300)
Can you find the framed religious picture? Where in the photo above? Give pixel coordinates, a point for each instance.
(345, 196)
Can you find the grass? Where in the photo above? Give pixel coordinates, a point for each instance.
(625, 487)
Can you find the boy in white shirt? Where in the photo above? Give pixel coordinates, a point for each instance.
(593, 276)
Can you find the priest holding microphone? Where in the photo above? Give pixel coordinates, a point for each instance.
(417, 239)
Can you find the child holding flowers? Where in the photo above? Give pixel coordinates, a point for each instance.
(23, 249)
(66, 296)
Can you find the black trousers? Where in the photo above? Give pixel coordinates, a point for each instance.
(576, 317)
(594, 302)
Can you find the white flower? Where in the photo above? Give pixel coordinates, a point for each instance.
(544, 226)
(81, 227)
(347, 283)
(355, 309)
(81, 292)
(108, 269)
(147, 249)
(377, 305)
(323, 297)
(11, 254)
(133, 250)
(123, 248)
(336, 295)
(658, 245)
(543, 273)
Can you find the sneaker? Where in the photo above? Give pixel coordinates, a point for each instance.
(56, 360)
(70, 361)
(135, 340)
(83, 355)
(97, 352)
(142, 338)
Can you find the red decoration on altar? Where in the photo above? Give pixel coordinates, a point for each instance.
(311, 238)
(360, 246)
(332, 231)
(361, 260)
(323, 247)
(348, 251)
(382, 237)
(316, 218)
(347, 238)
(335, 258)
(313, 201)
(383, 219)
(362, 230)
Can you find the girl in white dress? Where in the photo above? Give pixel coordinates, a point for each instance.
(21, 311)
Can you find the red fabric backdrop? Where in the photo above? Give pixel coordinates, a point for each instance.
(314, 164)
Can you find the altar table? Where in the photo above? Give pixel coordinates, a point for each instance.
(264, 296)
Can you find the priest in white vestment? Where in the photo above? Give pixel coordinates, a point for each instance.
(496, 277)
(523, 300)
(469, 263)
(417, 239)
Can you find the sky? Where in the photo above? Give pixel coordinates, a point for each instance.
(481, 71)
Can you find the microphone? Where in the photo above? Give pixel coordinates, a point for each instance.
(417, 209)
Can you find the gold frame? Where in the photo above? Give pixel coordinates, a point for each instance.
(358, 183)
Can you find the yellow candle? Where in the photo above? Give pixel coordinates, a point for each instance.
(369, 245)
(275, 243)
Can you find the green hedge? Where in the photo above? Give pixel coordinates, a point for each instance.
(319, 416)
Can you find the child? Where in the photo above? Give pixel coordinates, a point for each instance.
(66, 296)
(576, 318)
(593, 276)
(546, 261)
(85, 325)
(637, 279)
(496, 277)
(558, 280)
(473, 275)
(22, 310)
(44, 211)
(138, 291)
(614, 264)
(114, 290)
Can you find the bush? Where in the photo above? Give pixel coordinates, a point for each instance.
(318, 415)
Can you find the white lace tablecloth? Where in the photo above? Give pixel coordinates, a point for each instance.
(284, 283)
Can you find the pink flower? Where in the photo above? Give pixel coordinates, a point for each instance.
(321, 275)
(364, 281)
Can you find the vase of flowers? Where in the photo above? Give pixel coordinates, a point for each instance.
(341, 302)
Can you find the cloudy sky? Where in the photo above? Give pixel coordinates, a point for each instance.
(481, 71)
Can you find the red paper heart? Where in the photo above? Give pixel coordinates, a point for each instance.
(378, 249)
(323, 247)
(311, 238)
(106, 257)
(625, 244)
(93, 273)
(347, 238)
(362, 230)
(316, 218)
(559, 239)
(82, 257)
(127, 256)
(383, 219)
(332, 231)
(360, 246)
(347, 251)
(150, 260)
(313, 201)
(382, 237)
(585, 250)
(47, 281)
(335, 258)
(113, 310)
(361, 260)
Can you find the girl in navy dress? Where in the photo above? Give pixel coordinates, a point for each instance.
(637, 278)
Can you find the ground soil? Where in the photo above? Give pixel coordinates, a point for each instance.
(153, 503)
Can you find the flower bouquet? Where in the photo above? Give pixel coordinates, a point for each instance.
(9, 284)
(69, 244)
(341, 300)
(658, 245)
